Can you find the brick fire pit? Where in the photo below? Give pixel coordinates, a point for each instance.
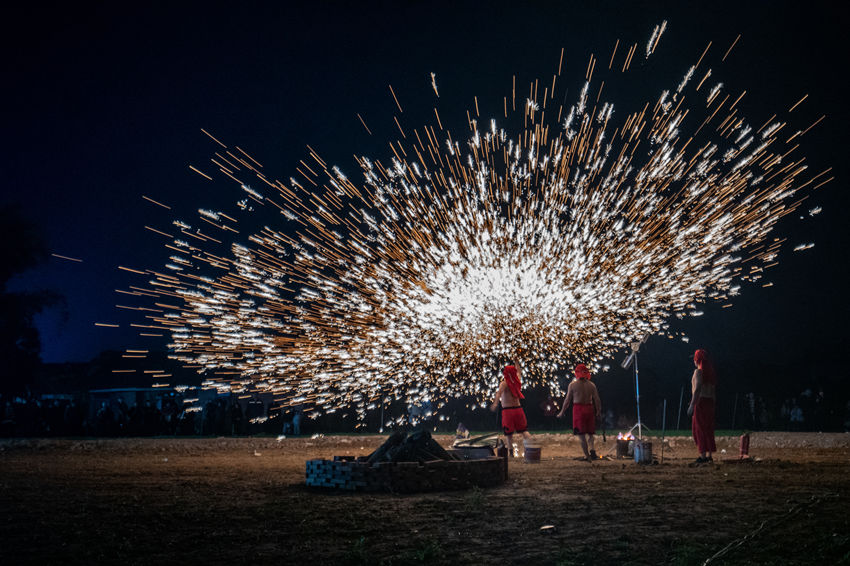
(408, 463)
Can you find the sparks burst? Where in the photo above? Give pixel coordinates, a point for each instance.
(560, 242)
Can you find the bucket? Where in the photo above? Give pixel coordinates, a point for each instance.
(532, 453)
(622, 448)
(643, 452)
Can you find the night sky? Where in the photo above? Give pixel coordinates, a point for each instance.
(105, 103)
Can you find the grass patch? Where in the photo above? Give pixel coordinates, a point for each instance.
(427, 552)
(688, 553)
(473, 501)
(574, 558)
(357, 554)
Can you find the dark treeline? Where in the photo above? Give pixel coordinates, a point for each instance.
(199, 412)
(150, 413)
(101, 398)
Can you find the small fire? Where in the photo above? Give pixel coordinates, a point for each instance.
(626, 436)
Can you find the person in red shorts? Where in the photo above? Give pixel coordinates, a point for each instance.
(703, 384)
(513, 417)
(586, 407)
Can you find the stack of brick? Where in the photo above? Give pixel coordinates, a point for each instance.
(348, 473)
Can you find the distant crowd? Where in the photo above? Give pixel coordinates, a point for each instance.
(36, 416)
(808, 411)
(27, 416)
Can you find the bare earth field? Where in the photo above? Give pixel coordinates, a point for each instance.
(243, 500)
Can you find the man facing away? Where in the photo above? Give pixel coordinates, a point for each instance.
(586, 407)
(703, 385)
(513, 417)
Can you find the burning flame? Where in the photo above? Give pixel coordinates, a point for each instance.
(626, 436)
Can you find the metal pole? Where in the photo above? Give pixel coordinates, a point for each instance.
(637, 398)
(679, 418)
(663, 429)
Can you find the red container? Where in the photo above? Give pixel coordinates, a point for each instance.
(745, 445)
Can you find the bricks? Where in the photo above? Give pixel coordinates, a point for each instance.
(346, 473)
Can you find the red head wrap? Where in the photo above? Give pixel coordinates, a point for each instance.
(703, 362)
(512, 379)
(582, 372)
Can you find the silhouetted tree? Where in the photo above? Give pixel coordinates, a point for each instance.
(22, 247)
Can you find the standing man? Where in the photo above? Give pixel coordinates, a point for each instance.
(586, 407)
(703, 384)
(513, 417)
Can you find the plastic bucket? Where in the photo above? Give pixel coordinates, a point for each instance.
(532, 454)
(643, 452)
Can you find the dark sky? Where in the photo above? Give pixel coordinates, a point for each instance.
(104, 103)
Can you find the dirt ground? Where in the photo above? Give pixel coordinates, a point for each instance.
(243, 500)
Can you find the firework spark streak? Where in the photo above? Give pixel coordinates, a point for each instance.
(559, 242)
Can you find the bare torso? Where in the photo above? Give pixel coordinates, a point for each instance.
(583, 392)
(506, 398)
(700, 388)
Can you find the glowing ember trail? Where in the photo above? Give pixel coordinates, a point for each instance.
(561, 242)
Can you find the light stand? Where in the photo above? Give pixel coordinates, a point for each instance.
(633, 359)
(381, 428)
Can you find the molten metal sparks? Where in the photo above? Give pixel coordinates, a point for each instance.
(560, 242)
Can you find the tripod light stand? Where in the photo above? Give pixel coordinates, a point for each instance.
(633, 359)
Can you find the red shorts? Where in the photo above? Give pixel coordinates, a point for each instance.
(584, 418)
(513, 420)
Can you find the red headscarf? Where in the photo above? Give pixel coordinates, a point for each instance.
(512, 379)
(704, 363)
(582, 372)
